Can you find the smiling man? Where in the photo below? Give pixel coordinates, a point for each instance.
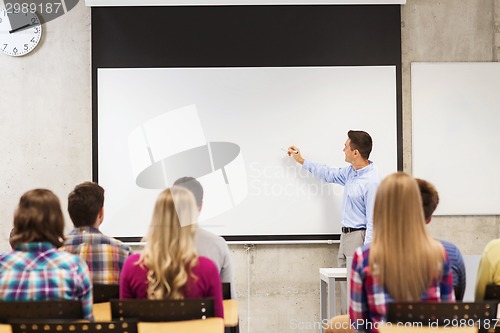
(360, 180)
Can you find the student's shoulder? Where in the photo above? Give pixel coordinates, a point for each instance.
(66, 259)
(72, 239)
(131, 262)
(493, 245)
(206, 264)
(362, 253)
(105, 239)
(207, 236)
(120, 244)
(8, 254)
(133, 258)
(450, 247)
(201, 232)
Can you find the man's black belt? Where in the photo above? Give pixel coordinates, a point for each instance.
(346, 230)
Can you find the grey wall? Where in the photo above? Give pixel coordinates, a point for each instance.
(45, 115)
(45, 126)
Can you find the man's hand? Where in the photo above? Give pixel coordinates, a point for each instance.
(295, 153)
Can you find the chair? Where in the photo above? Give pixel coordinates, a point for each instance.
(162, 310)
(128, 326)
(459, 293)
(226, 290)
(105, 292)
(492, 328)
(441, 314)
(209, 325)
(60, 309)
(232, 305)
(102, 311)
(492, 292)
(231, 317)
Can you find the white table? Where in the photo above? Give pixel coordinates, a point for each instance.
(329, 276)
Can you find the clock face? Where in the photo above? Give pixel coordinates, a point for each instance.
(20, 32)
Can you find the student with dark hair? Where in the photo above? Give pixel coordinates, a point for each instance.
(104, 255)
(207, 244)
(35, 270)
(360, 180)
(11, 235)
(430, 200)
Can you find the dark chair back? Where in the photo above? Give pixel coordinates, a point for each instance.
(60, 309)
(441, 314)
(162, 310)
(492, 292)
(226, 290)
(459, 293)
(105, 292)
(76, 327)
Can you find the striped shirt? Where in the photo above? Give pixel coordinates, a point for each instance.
(369, 299)
(104, 255)
(38, 271)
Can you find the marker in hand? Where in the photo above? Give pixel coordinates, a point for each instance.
(290, 151)
(295, 153)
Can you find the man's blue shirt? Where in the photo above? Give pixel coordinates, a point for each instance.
(360, 188)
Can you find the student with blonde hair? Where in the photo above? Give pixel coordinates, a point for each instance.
(169, 267)
(488, 271)
(403, 262)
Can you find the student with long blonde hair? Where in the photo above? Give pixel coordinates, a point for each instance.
(403, 263)
(169, 267)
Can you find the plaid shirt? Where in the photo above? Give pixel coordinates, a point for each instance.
(38, 271)
(369, 299)
(104, 255)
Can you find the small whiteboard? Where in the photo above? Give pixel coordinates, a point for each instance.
(456, 134)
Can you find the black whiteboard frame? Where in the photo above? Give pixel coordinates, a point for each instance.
(246, 36)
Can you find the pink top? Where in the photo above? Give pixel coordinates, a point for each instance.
(134, 282)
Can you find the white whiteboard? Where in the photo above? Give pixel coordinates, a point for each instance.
(261, 110)
(456, 134)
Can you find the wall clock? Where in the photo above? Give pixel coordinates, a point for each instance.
(20, 32)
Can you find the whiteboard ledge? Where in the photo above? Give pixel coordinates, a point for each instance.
(296, 242)
(259, 239)
(291, 242)
(124, 3)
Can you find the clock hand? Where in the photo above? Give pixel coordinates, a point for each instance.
(20, 28)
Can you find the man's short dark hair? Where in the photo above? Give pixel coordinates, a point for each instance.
(361, 141)
(38, 218)
(430, 197)
(194, 186)
(85, 203)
